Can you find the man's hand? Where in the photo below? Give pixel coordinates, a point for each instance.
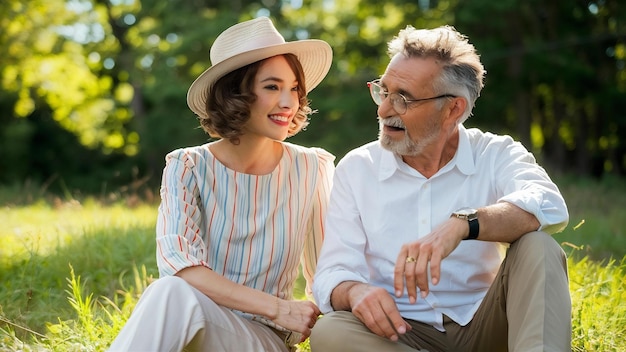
(415, 258)
(377, 310)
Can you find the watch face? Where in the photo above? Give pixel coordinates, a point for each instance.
(466, 211)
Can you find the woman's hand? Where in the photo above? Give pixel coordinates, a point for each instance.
(298, 316)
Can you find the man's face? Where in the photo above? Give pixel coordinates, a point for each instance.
(410, 132)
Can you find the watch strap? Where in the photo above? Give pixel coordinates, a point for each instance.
(473, 229)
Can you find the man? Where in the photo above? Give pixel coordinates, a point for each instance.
(415, 255)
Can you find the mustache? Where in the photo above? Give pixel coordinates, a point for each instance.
(392, 122)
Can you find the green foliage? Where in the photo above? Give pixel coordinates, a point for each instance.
(554, 68)
(599, 313)
(40, 241)
(46, 69)
(96, 321)
(597, 219)
(92, 90)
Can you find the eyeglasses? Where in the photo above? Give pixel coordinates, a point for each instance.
(398, 101)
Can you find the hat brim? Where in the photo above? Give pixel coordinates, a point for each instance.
(315, 57)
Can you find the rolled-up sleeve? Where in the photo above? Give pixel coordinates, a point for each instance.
(526, 184)
(179, 244)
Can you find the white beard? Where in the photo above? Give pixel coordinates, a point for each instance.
(407, 146)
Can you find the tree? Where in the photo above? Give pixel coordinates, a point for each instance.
(114, 74)
(553, 78)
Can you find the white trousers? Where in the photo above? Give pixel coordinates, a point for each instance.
(172, 315)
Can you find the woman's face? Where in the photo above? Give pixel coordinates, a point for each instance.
(276, 88)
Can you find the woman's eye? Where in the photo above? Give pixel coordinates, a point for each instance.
(294, 89)
(271, 87)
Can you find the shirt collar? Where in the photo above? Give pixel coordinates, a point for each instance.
(463, 159)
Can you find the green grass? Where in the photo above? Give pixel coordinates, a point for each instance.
(597, 217)
(71, 272)
(598, 309)
(40, 242)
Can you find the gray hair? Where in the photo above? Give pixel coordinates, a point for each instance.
(462, 72)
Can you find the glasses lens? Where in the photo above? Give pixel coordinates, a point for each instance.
(398, 103)
(377, 93)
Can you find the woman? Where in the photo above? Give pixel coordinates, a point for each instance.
(239, 215)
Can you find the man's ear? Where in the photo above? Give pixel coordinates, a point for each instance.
(457, 108)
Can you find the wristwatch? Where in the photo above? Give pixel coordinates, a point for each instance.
(471, 215)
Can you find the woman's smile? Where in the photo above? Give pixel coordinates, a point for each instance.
(281, 119)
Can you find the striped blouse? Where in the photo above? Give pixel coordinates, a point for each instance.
(255, 230)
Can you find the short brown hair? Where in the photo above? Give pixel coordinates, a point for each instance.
(228, 103)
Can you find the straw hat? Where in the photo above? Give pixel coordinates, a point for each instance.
(251, 41)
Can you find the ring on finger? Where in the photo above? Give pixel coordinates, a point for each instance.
(410, 259)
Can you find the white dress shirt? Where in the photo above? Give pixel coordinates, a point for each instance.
(378, 203)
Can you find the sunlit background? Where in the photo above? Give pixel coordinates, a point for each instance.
(93, 91)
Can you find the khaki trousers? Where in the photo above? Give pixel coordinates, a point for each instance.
(172, 315)
(527, 308)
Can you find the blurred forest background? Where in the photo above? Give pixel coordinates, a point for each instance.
(93, 92)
